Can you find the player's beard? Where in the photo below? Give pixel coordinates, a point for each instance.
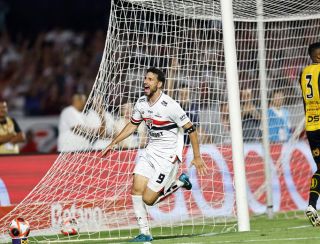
(152, 91)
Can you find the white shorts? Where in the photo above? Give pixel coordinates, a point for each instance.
(161, 172)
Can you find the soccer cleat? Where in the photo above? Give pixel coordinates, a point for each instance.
(142, 238)
(186, 182)
(313, 216)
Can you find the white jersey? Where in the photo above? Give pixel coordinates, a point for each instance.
(164, 120)
(67, 140)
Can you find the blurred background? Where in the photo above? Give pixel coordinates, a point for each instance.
(49, 50)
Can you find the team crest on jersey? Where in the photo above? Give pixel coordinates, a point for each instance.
(149, 123)
(142, 99)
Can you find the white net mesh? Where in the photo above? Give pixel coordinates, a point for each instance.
(184, 38)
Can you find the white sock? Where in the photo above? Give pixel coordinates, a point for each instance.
(141, 214)
(166, 192)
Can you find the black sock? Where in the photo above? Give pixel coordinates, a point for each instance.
(314, 189)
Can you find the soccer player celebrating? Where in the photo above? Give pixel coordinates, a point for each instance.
(155, 173)
(309, 82)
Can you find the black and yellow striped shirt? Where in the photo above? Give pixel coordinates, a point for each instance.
(310, 84)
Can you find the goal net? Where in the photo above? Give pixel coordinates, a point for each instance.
(185, 39)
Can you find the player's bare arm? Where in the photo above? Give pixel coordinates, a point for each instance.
(126, 132)
(197, 160)
(6, 138)
(18, 137)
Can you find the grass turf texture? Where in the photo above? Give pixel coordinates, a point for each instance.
(281, 229)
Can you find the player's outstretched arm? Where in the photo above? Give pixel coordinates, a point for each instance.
(6, 138)
(18, 138)
(126, 132)
(197, 160)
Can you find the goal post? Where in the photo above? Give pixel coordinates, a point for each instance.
(188, 40)
(235, 114)
(264, 108)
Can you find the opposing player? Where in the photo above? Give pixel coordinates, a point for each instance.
(309, 82)
(155, 173)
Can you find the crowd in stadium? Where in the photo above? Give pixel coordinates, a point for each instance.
(42, 73)
(39, 73)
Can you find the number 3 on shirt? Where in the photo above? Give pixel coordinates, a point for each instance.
(309, 87)
(160, 178)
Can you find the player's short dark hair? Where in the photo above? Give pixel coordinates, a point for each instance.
(313, 47)
(159, 73)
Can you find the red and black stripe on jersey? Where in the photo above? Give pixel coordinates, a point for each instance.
(135, 122)
(153, 124)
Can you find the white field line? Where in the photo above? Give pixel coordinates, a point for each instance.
(216, 242)
(80, 240)
(270, 240)
(300, 227)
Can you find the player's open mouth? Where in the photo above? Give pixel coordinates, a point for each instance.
(146, 89)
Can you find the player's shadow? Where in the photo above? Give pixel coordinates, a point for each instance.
(173, 237)
(157, 238)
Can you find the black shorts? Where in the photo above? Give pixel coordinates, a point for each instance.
(314, 142)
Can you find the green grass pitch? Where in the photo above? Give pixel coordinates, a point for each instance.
(263, 230)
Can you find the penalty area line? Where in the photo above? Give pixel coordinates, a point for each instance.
(270, 240)
(83, 240)
(300, 227)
